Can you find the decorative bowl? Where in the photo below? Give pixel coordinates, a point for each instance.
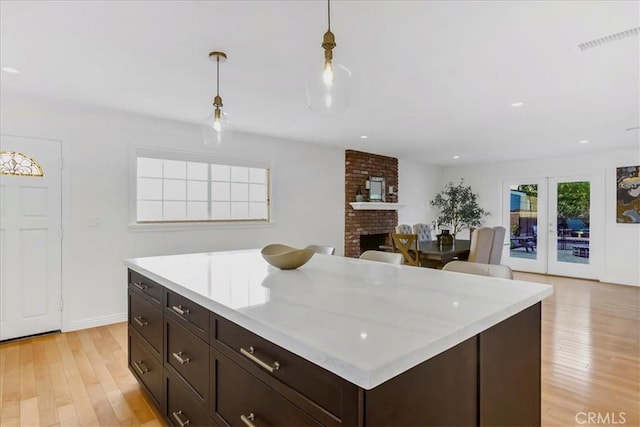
(285, 257)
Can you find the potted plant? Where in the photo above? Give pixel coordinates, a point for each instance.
(457, 208)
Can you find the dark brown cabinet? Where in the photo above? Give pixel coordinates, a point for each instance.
(182, 408)
(146, 366)
(147, 320)
(145, 337)
(189, 357)
(240, 396)
(199, 368)
(315, 386)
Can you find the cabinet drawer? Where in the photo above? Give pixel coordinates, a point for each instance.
(146, 367)
(146, 319)
(146, 287)
(189, 356)
(189, 314)
(238, 395)
(315, 383)
(182, 409)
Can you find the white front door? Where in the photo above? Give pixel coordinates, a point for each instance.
(30, 242)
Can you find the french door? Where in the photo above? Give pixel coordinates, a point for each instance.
(554, 225)
(30, 245)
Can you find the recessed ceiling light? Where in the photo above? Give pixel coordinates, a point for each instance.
(517, 104)
(363, 137)
(584, 141)
(10, 70)
(456, 157)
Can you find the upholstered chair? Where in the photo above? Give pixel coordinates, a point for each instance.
(327, 250)
(493, 270)
(497, 245)
(481, 242)
(403, 229)
(423, 231)
(389, 257)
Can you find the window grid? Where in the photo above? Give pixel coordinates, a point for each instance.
(165, 200)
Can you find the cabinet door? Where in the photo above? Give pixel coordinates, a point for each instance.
(146, 367)
(238, 397)
(510, 371)
(147, 319)
(439, 392)
(189, 357)
(182, 409)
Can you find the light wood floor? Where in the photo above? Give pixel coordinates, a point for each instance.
(590, 363)
(590, 352)
(72, 379)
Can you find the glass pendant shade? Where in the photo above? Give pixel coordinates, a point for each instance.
(329, 88)
(215, 131)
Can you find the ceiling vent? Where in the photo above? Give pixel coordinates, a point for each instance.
(610, 38)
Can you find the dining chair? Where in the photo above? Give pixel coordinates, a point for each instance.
(423, 231)
(406, 244)
(389, 257)
(492, 270)
(327, 250)
(497, 245)
(481, 242)
(403, 229)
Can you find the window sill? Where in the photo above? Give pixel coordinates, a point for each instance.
(187, 226)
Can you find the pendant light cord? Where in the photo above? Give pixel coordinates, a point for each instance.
(218, 76)
(329, 13)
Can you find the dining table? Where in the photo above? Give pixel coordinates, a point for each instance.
(435, 255)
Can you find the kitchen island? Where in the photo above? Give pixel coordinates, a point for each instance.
(225, 338)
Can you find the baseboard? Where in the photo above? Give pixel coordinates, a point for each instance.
(95, 322)
(619, 281)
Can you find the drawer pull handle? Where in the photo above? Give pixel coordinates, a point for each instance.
(179, 416)
(140, 321)
(140, 367)
(248, 419)
(140, 286)
(180, 310)
(249, 353)
(179, 358)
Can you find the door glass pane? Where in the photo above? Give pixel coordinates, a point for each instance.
(573, 221)
(523, 221)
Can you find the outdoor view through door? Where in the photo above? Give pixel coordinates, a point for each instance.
(572, 219)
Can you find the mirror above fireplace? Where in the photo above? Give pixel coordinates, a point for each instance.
(376, 189)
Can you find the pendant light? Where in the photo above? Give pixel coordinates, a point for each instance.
(329, 86)
(218, 124)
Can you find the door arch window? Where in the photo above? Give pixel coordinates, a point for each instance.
(15, 163)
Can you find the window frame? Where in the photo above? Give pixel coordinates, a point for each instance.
(199, 157)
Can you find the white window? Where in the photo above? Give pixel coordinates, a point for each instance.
(170, 189)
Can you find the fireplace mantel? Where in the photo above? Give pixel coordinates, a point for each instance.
(376, 206)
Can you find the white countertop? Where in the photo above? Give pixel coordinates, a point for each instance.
(362, 320)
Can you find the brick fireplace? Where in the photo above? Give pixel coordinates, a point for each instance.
(359, 166)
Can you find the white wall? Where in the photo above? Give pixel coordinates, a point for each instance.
(307, 192)
(417, 185)
(621, 263)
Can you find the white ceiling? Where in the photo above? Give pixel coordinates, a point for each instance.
(431, 79)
